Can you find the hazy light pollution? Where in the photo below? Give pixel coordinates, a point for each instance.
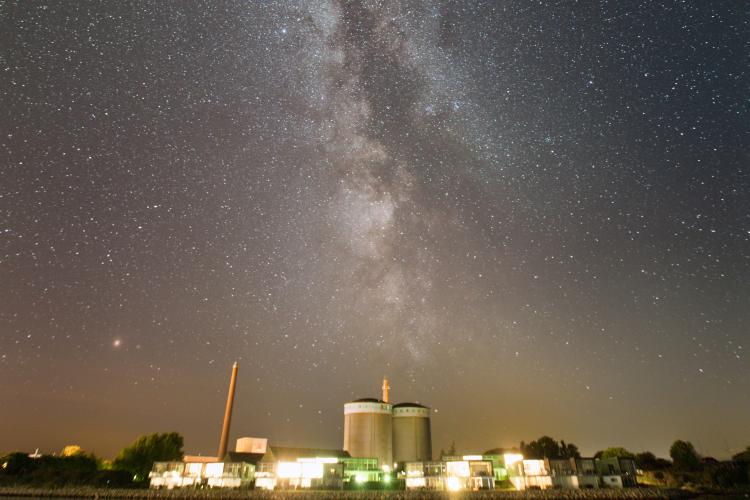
(534, 217)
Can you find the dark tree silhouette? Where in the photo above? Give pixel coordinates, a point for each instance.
(452, 449)
(743, 456)
(569, 450)
(546, 447)
(49, 471)
(139, 457)
(684, 456)
(648, 461)
(616, 452)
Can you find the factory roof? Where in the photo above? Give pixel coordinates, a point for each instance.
(367, 400)
(409, 405)
(238, 456)
(285, 453)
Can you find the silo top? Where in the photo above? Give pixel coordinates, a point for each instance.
(411, 410)
(409, 405)
(368, 400)
(367, 405)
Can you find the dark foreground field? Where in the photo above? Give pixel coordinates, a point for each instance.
(631, 493)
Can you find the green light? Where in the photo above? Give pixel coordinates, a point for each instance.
(386, 478)
(360, 478)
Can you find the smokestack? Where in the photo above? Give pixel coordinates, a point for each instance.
(386, 388)
(227, 415)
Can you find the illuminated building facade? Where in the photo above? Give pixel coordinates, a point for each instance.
(617, 472)
(571, 473)
(362, 470)
(428, 475)
(281, 467)
(171, 475)
(318, 473)
(475, 472)
(454, 473)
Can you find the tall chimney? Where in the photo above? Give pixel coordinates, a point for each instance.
(386, 388)
(227, 415)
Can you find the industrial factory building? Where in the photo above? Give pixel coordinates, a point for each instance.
(394, 434)
(301, 468)
(270, 467)
(385, 445)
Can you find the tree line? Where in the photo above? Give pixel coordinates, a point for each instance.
(74, 467)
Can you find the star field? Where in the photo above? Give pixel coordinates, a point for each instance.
(534, 217)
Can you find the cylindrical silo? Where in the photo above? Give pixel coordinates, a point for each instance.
(368, 431)
(412, 440)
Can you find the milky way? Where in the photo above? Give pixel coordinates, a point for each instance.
(534, 217)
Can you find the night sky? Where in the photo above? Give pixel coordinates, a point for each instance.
(532, 216)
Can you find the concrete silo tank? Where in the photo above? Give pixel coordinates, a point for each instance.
(368, 430)
(412, 439)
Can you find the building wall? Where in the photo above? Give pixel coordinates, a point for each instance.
(368, 431)
(612, 481)
(251, 445)
(588, 481)
(565, 482)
